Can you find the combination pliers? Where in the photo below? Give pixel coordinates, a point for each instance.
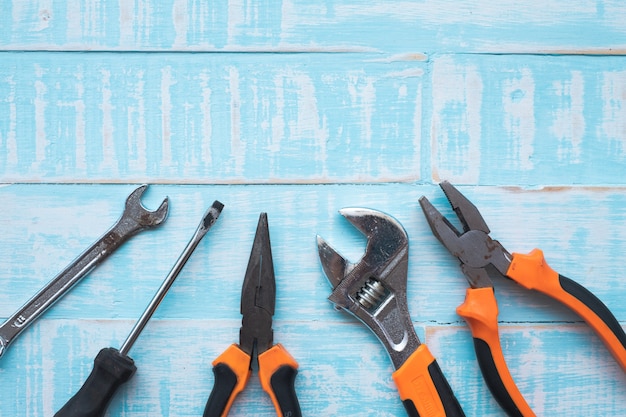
(374, 291)
(481, 256)
(277, 368)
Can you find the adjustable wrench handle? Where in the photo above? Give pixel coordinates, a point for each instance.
(424, 389)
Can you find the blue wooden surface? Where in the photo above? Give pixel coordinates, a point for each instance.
(300, 109)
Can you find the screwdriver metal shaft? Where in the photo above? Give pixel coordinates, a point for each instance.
(112, 368)
(207, 221)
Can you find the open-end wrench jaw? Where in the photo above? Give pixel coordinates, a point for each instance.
(134, 219)
(140, 214)
(374, 289)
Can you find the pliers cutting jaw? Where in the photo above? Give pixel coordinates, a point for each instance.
(374, 289)
(474, 247)
(481, 256)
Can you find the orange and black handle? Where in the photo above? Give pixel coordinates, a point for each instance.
(480, 311)
(532, 272)
(231, 370)
(277, 372)
(423, 388)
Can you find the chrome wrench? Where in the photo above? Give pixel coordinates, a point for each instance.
(134, 219)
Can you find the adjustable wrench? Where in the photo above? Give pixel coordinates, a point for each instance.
(135, 218)
(374, 291)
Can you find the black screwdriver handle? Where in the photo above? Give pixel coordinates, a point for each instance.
(111, 369)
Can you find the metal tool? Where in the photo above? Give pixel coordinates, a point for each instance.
(374, 291)
(112, 368)
(277, 368)
(135, 218)
(482, 257)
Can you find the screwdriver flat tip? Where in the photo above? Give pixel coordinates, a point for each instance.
(212, 214)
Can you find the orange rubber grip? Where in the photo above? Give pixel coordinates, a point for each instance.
(277, 372)
(238, 362)
(532, 272)
(423, 388)
(480, 311)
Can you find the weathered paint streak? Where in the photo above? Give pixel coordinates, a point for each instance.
(524, 105)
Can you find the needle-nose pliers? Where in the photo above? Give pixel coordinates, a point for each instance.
(480, 255)
(277, 368)
(374, 291)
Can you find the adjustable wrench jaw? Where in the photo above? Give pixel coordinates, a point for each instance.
(374, 289)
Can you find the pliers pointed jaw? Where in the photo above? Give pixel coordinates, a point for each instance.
(258, 293)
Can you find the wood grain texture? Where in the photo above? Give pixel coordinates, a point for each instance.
(528, 119)
(299, 109)
(209, 118)
(333, 26)
(344, 369)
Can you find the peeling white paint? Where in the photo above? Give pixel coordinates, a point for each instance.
(11, 140)
(79, 132)
(45, 14)
(236, 145)
(457, 94)
(40, 104)
(613, 126)
(417, 134)
(181, 22)
(109, 156)
(309, 126)
(569, 119)
(126, 22)
(167, 81)
(363, 96)
(518, 100)
(136, 133)
(207, 125)
(278, 118)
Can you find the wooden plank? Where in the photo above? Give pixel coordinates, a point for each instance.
(578, 26)
(209, 118)
(557, 367)
(300, 109)
(296, 119)
(45, 226)
(527, 120)
(344, 369)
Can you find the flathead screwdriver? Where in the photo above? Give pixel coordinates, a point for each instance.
(113, 367)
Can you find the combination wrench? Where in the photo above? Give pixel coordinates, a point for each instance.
(134, 219)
